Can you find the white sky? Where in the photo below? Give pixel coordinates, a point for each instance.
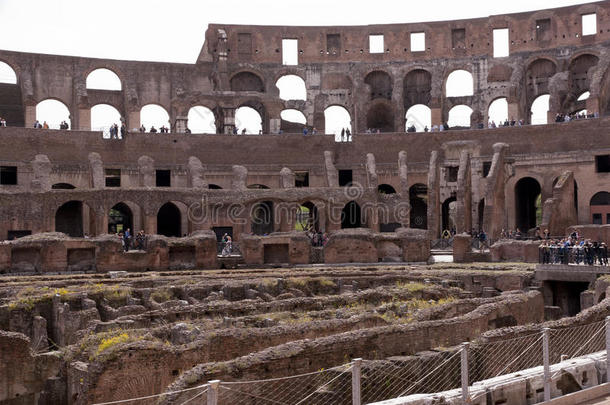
(173, 31)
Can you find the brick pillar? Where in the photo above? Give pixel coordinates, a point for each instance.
(133, 120)
(30, 116)
(84, 119)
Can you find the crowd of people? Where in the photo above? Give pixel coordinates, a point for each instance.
(317, 238)
(573, 250)
(575, 116)
(114, 131)
(128, 241)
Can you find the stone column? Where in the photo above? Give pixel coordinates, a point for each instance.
(84, 119)
(30, 116)
(434, 211)
(229, 120)
(133, 120)
(464, 194)
(180, 125)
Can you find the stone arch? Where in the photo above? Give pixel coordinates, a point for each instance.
(417, 88)
(53, 111)
(497, 110)
(103, 74)
(123, 215)
(291, 87)
(449, 213)
(460, 116)
(380, 84)
(214, 186)
(292, 120)
(380, 115)
(418, 116)
(262, 218)
(75, 218)
(599, 206)
(537, 76)
(539, 109)
(307, 217)
(386, 189)
(336, 118)
(247, 81)
(580, 70)
(459, 83)
(528, 203)
(201, 120)
(8, 74)
(103, 116)
(251, 126)
(258, 187)
(418, 197)
(154, 115)
(351, 216)
(169, 220)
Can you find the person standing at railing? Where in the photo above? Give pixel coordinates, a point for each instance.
(604, 254)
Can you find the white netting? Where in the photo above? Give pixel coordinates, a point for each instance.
(332, 386)
(385, 379)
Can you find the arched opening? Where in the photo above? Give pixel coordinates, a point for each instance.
(449, 214)
(498, 111)
(417, 88)
(459, 84)
(75, 219)
(293, 121)
(258, 187)
(247, 81)
(584, 96)
(62, 186)
(418, 118)
(53, 113)
(351, 216)
(201, 120)
(528, 204)
(291, 87)
(337, 119)
(169, 221)
(580, 69)
(600, 208)
(103, 116)
(481, 212)
(540, 110)
(214, 187)
(248, 120)
(418, 197)
(538, 75)
(11, 101)
(386, 189)
(380, 85)
(154, 116)
(261, 217)
(307, 218)
(380, 117)
(120, 218)
(7, 74)
(103, 79)
(459, 116)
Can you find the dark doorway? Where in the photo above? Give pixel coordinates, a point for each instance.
(351, 216)
(448, 213)
(169, 221)
(527, 204)
(566, 295)
(62, 186)
(345, 178)
(386, 189)
(120, 218)
(69, 219)
(262, 218)
(481, 210)
(418, 197)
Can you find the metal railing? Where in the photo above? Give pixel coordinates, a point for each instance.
(224, 249)
(577, 255)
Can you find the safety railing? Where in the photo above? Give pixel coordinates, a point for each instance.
(591, 255)
(366, 381)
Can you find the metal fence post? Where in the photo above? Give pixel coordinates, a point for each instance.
(607, 348)
(464, 372)
(356, 379)
(213, 392)
(545, 362)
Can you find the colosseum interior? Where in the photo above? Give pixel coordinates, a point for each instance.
(355, 249)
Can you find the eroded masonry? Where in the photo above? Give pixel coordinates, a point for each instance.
(84, 321)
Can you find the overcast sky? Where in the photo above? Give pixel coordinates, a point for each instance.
(173, 30)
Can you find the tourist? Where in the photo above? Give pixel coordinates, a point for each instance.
(126, 239)
(228, 246)
(141, 240)
(2, 122)
(142, 128)
(234, 130)
(153, 130)
(314, 131)
(45, 125)
(123, 130)
(304, 131)
(187, 130)
(243, 131)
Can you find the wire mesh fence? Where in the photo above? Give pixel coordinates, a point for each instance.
(332, 386)
(385, 379)
(576, 341)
